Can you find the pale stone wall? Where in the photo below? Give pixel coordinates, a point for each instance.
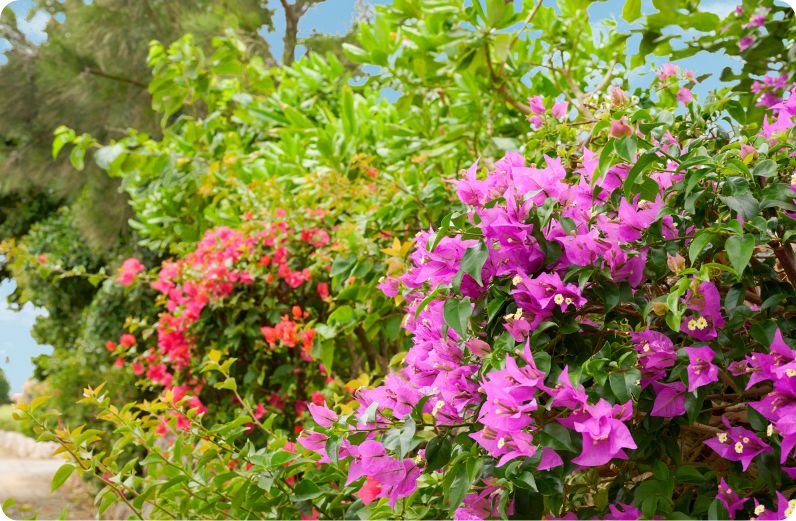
(22, 446)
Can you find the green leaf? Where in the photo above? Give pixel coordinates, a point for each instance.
(105, 156)
(526, 480)
(632, 10)
(457, 314)
(626, 148)
(347, 113)
(604, 163)
(77, 157)
(740, 251)
(637, 169)
(689, 474)
(473, 262)
(355, 54)
(61, 475)
(765, 168)
(556, 436)
(63, 135)
(441, 232)
(458, 483)
(736, 110)
(438, 453)
(306, 489)
(625, 385)
(327, 355)
(744, 204)
(229, 383)
(698, 244)
(407, 433)
(332, 448)
(342, 315)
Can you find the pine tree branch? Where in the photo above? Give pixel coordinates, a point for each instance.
(109, 76)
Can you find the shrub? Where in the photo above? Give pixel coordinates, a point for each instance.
(599, 327)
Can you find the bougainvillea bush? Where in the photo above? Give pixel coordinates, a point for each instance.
(599, 323)
(603, 332)
(250, 295)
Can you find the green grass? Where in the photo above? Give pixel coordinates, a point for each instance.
(7, 423)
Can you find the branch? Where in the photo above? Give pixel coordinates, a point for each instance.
(581, 98)
(784, 255)
(499, 84)
(702, 428)
(607, 78)
(372, 354)
(524, 25)
(293, 14)
(122, 79)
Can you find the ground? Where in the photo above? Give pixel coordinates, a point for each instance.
(28, 482)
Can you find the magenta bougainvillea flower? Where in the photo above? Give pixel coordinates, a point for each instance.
(545, 292)
(322, 415)
(783, 511)
(701, 369)
(620, 128)
(482, 505)
(560, 109)
(655, 353)
(729, 498)
(390, 286)
(685, 96)
(737, 444)
(668, 70)
(705, 316)
(537, 105)
(604, 433)
(745, 42)
(437, 267)
(623, 512)
(669, 399)
(550, 459)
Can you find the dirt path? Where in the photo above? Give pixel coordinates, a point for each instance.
(27, 480)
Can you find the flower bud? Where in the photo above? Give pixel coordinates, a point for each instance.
(660, 308)
(621, 128)
(747, 150)
(478, 347)
(618, 96)
(676, 263)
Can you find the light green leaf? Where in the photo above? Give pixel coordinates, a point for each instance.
(632, 10)
(61, 475)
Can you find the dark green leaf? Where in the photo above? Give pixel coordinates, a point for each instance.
(740, 250)
(473, 262)
(457, 314)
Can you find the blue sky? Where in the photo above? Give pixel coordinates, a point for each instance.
(16, 345)
(332, 16)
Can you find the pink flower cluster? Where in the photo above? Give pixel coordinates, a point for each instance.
(784, 111)
(128, 271)
(770, 89)
(559, 110)
(224, 261)
(755, 21)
